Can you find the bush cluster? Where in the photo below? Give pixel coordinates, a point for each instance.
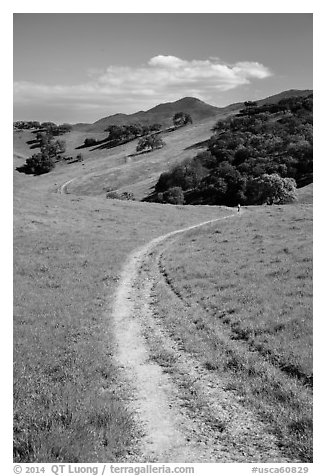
(173, 195)
(49, 127)
(90, 142)
(181, 119)
(152, 141)
(40, 163)
(51, 151)
(120, 196)
(258, 156)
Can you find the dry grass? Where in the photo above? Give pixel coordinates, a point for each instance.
(247, 288)
(68, 251)
(144, 168)
(114, 168)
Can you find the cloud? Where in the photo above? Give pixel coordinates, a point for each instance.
(167, 61)
(252, 69)
(126, 88)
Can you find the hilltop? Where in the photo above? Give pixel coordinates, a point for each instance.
(100, 285)
(162, 113)
(284, 95)
(261, 145)
(142, 171)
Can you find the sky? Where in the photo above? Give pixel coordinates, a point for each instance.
(79, 67)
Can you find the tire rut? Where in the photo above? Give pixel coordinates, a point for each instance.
(184, 412)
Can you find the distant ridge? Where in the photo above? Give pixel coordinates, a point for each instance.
(284, 95)
(163, 113)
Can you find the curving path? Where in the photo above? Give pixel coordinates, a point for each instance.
(172, 431)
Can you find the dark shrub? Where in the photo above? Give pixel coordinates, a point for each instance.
(174, 195)
(89, 142)
(39, 164)
(120, 196)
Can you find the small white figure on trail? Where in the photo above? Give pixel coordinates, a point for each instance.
(239, 206)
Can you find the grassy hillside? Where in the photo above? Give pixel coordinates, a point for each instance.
(305, 194)
(20, 143)
(121, 166)
(144, 166)
(259, 155)
(73, 140)
(284, 95)
(69, 404)
(163, 113)
(239, 297)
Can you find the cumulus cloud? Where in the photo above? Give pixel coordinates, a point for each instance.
(167, 61)
(163, 78)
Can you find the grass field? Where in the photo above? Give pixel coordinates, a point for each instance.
(246, 287)
(119, 167)
(142, 167)
(69, 404)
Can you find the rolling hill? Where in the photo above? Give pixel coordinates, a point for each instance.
(284, 95)
(162, 113)
(237, 358)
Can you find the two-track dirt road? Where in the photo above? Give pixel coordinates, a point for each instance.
(221, 430)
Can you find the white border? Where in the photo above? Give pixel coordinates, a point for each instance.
(169, 6)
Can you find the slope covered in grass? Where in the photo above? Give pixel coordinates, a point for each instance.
(69, 402)
(163, 113)
(121, 166)
(25, 142)
(258, 156)
(305, 194)
(247, 285)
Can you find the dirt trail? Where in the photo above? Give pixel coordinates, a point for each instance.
(63, 188)
(173, 430)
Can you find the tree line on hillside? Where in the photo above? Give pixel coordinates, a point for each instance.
(49, 127)
(51, 151)
(257, 156)
(122, 134)
(119, 135)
